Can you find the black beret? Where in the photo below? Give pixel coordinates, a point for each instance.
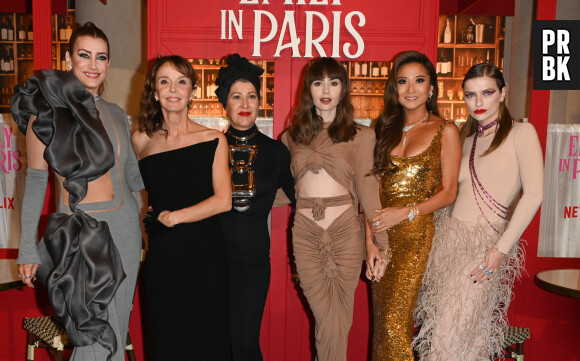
(238, 68)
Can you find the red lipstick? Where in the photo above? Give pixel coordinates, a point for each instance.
(244, 114)
(480, 111)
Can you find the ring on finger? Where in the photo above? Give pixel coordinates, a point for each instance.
(27, 277)
(19, 275)
(487, 272)
(377, 224)
(481, 267)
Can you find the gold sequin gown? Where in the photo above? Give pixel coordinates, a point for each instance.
(414, 180)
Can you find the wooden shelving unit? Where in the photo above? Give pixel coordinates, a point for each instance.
(20, 51)
(206, 103)
(473, 40)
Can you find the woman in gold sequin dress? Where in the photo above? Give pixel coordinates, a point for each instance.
(417, 158)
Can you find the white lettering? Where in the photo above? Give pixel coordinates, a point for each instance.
(562, 64)
(548, 71)
(359, 41)
(294, 39)
(233, 21)
(258, 30)
(548, 39)
(336, 34)
(309, 33)
(563, 41)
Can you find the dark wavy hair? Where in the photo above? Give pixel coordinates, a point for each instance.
(390, 123)
(305, 124)
(505, 119)
(89, 29)
(150, 115)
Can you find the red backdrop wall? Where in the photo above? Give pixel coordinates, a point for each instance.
(192, 29)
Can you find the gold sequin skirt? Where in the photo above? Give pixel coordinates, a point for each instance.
(460, 319)
(394, 297)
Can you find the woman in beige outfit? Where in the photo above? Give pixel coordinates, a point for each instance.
(331, 160)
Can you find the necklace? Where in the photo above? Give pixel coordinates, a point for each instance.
(407, 128)
(243, 139)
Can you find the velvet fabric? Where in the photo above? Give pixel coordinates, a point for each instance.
(80, 264)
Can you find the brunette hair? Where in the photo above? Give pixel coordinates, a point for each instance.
(305, 124)
(150, 115)
(89, 29)
(390, 123)
(505, 121)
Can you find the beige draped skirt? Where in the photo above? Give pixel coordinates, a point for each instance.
(329, 262)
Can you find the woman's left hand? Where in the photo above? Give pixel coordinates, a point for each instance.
(490, 264)
(388, 217)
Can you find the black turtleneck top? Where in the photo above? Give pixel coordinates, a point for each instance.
(246, 233)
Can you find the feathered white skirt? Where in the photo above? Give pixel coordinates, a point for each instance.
(460, 319)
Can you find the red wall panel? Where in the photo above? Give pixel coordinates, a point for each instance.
(194, 31)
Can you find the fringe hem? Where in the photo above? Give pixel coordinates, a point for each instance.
(459, 319)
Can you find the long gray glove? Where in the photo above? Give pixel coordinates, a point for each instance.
(32, 203)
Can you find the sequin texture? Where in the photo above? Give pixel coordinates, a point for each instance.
(412, 180)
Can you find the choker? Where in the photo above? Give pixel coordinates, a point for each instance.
(407, 128)
(245, 138)
(481, 129)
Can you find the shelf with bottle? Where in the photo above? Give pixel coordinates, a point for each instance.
(465, 41)
(368, 80)
(206, 103)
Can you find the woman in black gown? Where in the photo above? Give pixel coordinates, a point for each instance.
(185, 171)
(246, 226)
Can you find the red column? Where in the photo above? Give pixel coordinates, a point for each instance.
(42, 34)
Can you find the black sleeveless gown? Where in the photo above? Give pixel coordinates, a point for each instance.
(186, 270)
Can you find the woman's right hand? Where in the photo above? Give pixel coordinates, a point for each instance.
(376, 266)
(27, 272)
(167, 218)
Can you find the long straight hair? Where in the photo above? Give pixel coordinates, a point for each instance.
(505, 119)
(305, 124)
(390, 123)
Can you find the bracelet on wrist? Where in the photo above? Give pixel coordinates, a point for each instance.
(413, 211)
(386, 253)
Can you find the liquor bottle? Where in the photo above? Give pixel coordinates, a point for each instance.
(30, 31)
(384, 69)
(61, 31)
(447, 33)
(11, 61)
(357, 69)
(208, 87)
(443, 65)
(21, 31)
(10, 30)
(2, 65)
(4, 30)
(365, 69)
(375, 69)
(213, 87)
(68, 29)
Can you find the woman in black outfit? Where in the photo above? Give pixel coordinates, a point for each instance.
(260, 165)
